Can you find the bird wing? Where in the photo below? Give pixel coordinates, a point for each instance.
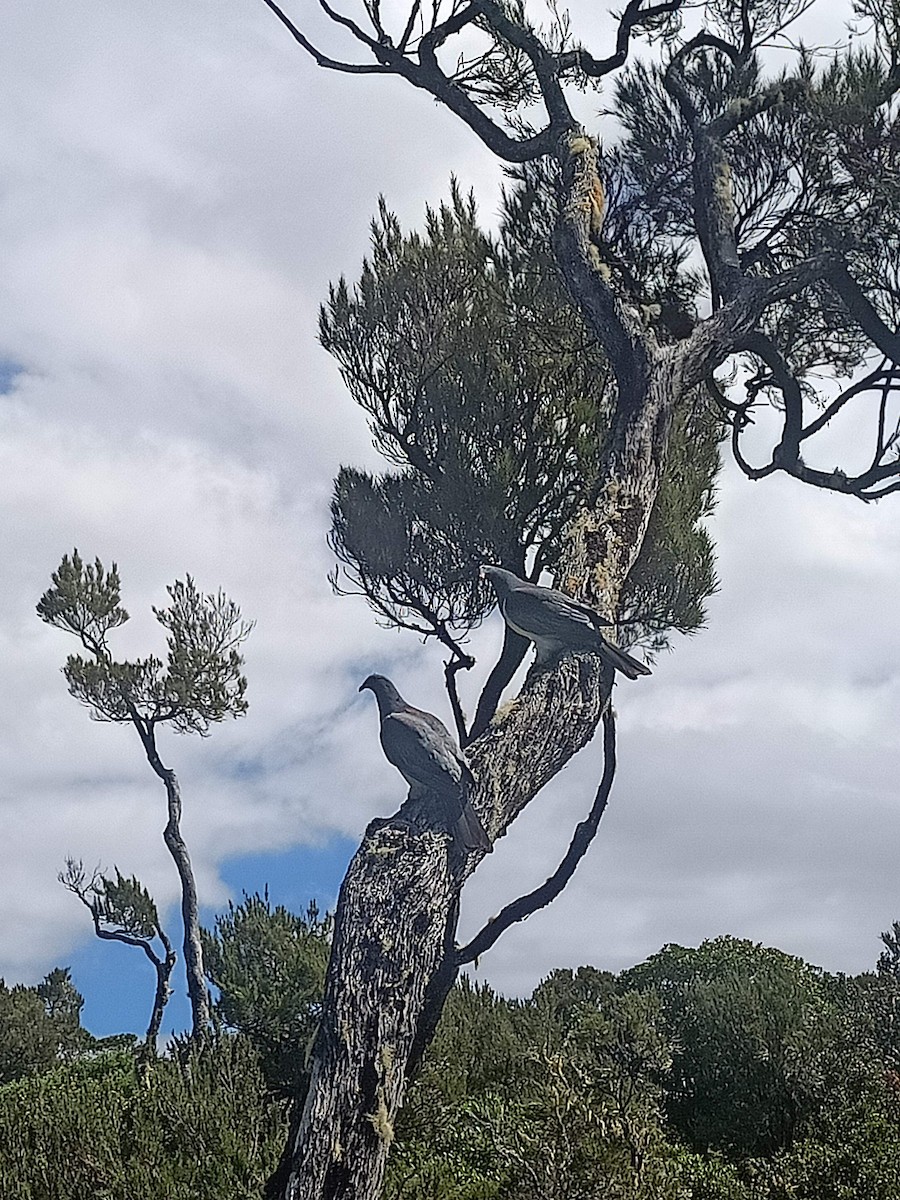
(560, 603)
(442, 733)
(541, 613)
(421, 749)
(551, 619)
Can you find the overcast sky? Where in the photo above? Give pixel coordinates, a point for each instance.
(178, 186)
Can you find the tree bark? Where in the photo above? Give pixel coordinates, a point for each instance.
(164, 968)
(392, 938)
(190, 910)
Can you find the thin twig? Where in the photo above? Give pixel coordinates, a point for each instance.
(322, 59)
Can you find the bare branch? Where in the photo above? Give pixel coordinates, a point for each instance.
(882, 375)
(713, 192)
(410, 26)
(321, 59)
(524, 906)
(515, 647)
(788, 449)
(754, 473)
(857, 304)
(786, 455)
(451, 667)
(634, 17)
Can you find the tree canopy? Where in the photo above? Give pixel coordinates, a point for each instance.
(483, 384)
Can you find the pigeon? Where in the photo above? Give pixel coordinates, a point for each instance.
(422, 750)
(555, 622)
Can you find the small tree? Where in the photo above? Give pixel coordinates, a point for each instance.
(200, 684)
(761, 1040)
(124, 911)
(268, 966)
(40, 1026)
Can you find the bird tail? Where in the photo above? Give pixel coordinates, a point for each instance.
(631, 667)
(468, 833)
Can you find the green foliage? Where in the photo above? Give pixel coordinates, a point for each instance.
(201, 682)
(196, 1127)
(726, 1072)
(484, 387)
(123, 910)
(889, 959)
(761, 1040)
(268, 965)
(553, 1096)
(120, 905)
(127, 905)
(84, 599)
(40, 1026)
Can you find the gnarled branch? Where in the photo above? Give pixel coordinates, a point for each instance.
(523, 907)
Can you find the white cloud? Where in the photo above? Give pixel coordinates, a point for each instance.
(179, 185)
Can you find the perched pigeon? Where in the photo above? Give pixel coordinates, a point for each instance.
(555, 622)
(422, 750)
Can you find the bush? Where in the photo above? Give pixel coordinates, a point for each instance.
(196, 1126)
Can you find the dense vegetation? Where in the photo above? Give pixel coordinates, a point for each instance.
(727, 1072)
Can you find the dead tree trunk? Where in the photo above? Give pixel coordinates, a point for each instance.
(392, 940)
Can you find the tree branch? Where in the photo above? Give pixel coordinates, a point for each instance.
(322, 60)
(515, 647)
(461, 662)
(713, 193)
(788, 449)
(742, 112)
(634, 17)
(581, 263)
(524, 906)
(786, 455)
(860, 308)
(867, 383)
(545, 64)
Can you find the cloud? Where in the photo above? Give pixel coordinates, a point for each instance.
(179, 187)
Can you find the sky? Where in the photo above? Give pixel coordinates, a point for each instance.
(178, 187)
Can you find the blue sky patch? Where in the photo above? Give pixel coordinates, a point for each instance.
(118, 981)
(8, 372)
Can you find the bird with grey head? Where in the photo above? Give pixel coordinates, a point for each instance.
(422, 749)
(556, 623)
